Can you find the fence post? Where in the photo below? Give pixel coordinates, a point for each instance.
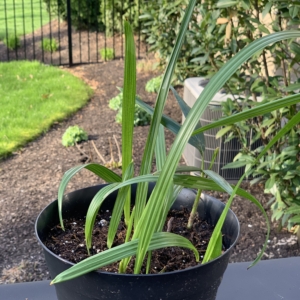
(69, 32)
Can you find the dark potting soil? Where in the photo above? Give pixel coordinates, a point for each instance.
(70, 244)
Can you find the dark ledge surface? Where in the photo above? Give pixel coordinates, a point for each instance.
(268, 280)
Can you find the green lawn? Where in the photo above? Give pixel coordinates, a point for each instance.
(20, 14)
(32, 97)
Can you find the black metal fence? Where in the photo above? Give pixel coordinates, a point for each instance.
(66, 32)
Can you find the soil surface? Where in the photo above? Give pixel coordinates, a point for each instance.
(29, 179)
(70, 244)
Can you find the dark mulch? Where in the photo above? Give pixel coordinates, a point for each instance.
(29, 179)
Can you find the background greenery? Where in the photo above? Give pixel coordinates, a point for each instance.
(141, 117)
(101, 15)
(49, 45)
(73, 135)
(32, 97)
(113, 12)
(84, 14)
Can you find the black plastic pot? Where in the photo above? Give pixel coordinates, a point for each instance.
(200, 282)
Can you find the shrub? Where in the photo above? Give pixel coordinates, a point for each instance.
(73, 135)
(160, 24)
(153, 85)
(49, 45)
(56, 7)
(279, 168)
(141, 118)
(107, 53)
(84, 14)
(12, 42)
(113, 13)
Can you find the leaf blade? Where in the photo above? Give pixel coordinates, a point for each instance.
(159, 240)
(253, 112)
(128, 106)
(99, 170)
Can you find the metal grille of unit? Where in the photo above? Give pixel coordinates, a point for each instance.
(227, 150)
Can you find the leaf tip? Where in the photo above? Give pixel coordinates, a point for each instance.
(249, 267)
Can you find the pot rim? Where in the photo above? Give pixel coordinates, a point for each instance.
(208, 197)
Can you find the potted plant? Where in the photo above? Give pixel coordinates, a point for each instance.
(145, 217)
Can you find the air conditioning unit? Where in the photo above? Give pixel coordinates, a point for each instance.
(227, 151)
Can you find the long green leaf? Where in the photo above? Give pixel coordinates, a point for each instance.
(235, 164)
(214, 247)
(119, 207)
(214, 241)
(217, 248)
(196, 182)
(185, 110)
(181, 169)
(154, 127)
(160, 149)
(219, 180)
(183, 106)
(215, 155)
(93, 211)
(189, 181)
(215, 238)
(158, 241)
(103, 172)
(128, 106)
(253, 112)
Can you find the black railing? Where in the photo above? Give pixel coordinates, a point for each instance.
(79, 29)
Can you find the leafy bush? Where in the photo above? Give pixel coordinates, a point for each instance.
(73, 135)
(98, 14)
(12, 42)
(153, 85)
(160, 24)
(279, 168)
(114, 12)
(141, 118)
(107, 53)
(84, 14)
(57, 7)
(204, 50)
(49, 45)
